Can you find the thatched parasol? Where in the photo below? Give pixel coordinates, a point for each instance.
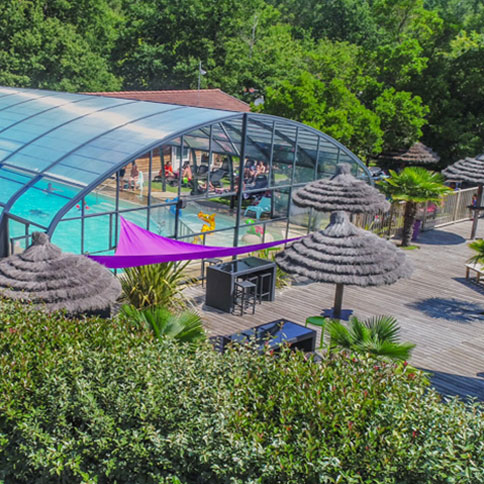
(417, 154)
(45, 276)
(345, 255)
(341, 192)
(470, 170)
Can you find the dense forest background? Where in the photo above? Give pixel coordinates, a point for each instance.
(375, 74)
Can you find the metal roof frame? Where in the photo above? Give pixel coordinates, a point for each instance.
(263, 120)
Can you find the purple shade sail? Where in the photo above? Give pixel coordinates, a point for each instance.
(139, 247)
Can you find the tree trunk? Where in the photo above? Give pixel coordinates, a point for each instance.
(408, 220)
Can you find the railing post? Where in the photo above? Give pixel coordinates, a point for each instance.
(457, 206)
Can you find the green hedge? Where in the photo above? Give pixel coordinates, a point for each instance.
(92, 401)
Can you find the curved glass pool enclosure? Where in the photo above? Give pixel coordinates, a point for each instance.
(70, 164)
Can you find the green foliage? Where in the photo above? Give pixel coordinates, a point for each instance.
(283, 279)
(58, 45)
(401, 116)
(415, 184)
(478, 247)
(100, 401)
(376, 336)
(155, 285)
(184, 326)
(374, 74)
(330, 107)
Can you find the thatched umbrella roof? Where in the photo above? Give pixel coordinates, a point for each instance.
(47, 277)
(345, 255)
(469, 170)
(341, 192)
(417, 154)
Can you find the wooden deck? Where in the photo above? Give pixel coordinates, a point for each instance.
(438, 309)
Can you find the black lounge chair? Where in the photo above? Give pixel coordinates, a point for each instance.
(216, 177)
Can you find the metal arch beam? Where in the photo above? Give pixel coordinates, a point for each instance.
(256, 146)
(126, 161)
(202, 130)
(286, 138)
(39, 176)
(36, 178)
(325, 136)
(37, 113)
(24, 101)
(160, 142)
(60, 126)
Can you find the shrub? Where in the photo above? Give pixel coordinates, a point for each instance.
(155, 285)
(95, 401)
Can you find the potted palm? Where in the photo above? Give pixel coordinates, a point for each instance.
(414, 185)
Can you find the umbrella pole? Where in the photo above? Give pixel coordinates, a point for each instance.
(476, 212)
(338, 301)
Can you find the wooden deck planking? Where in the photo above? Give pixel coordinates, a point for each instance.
(437, 309)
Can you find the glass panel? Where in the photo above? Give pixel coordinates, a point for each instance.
(67, 235)
(10, 183)
(18, 233)
(281, 200)
(307, 145)
(200, 218)
(65, 131)
(43, 200)
(328, 159)
(162, 220)
(98, 232)
(164, 183)
(283, 156)
(259, 136)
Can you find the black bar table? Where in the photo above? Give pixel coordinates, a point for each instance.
(221, 278)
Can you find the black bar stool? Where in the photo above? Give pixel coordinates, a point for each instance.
(264, 287)
(245, 296)
(211, 261)
(263, 283)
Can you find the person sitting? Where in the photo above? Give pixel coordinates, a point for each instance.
(249, 174)
(133, 176)
(168, 170)
(261, 168)
(186, 174)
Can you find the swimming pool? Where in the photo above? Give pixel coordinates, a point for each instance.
(99, 226)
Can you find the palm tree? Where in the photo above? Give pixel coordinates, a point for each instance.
(478, 247)
(378, 336)
(414, 185)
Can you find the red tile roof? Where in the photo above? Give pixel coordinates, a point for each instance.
(205, 98)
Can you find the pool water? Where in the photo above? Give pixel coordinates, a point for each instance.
(99, 231)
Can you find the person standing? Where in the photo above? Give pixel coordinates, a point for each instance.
(133, 177)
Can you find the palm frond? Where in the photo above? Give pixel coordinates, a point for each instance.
(377, 336)
(477, 246)
(415, 184)
(383, 328)
(339, 335)
(395, 351)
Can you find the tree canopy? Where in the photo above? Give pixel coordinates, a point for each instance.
(375, 74)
